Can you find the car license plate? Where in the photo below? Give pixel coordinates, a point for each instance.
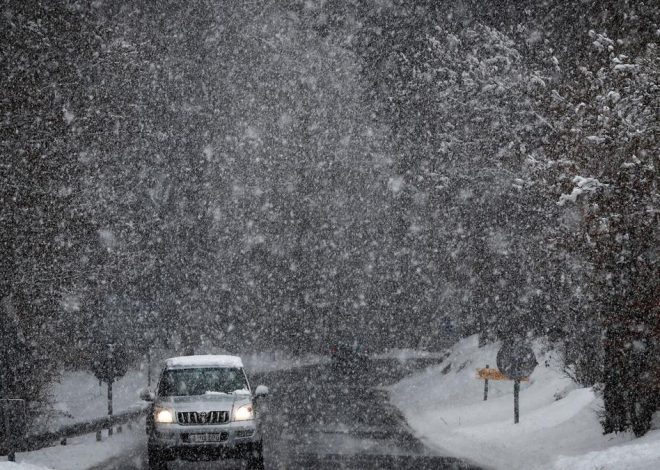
(206, 438)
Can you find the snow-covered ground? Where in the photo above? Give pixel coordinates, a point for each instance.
(80, 453)
(19, 466)
(558, 427)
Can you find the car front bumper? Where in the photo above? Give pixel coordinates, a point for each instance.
(235, 440)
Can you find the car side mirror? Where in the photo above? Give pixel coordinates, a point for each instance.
(261, 391)
(147, 395)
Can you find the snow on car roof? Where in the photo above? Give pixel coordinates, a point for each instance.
(207, 360)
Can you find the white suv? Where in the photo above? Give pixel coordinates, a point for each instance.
(203, 409)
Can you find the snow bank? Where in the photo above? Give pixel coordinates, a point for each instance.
(641, 454)
(81, 453)
(19, 466)
(558, 427)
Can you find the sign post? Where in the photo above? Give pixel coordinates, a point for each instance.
(494, 374)
(516, 361)
(516, 401)
(486, 387)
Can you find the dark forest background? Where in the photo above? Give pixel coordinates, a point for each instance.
(281, 174)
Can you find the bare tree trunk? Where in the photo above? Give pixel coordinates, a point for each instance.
(110, 404)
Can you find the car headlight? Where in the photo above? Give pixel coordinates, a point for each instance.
(164, 415)
(244, 413)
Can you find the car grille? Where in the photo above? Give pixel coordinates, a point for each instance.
(207, 417)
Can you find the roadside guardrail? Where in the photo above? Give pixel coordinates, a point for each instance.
(31, 442)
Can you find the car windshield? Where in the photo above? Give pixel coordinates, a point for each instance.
(200, 381)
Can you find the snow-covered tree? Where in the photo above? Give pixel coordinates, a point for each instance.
(610, 123)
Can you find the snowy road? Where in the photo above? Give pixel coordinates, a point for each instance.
(325, 419)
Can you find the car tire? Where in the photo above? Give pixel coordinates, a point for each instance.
(156, 461)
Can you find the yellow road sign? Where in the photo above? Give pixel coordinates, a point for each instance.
(494, 374)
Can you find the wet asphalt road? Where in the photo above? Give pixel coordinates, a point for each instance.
(322, 417)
